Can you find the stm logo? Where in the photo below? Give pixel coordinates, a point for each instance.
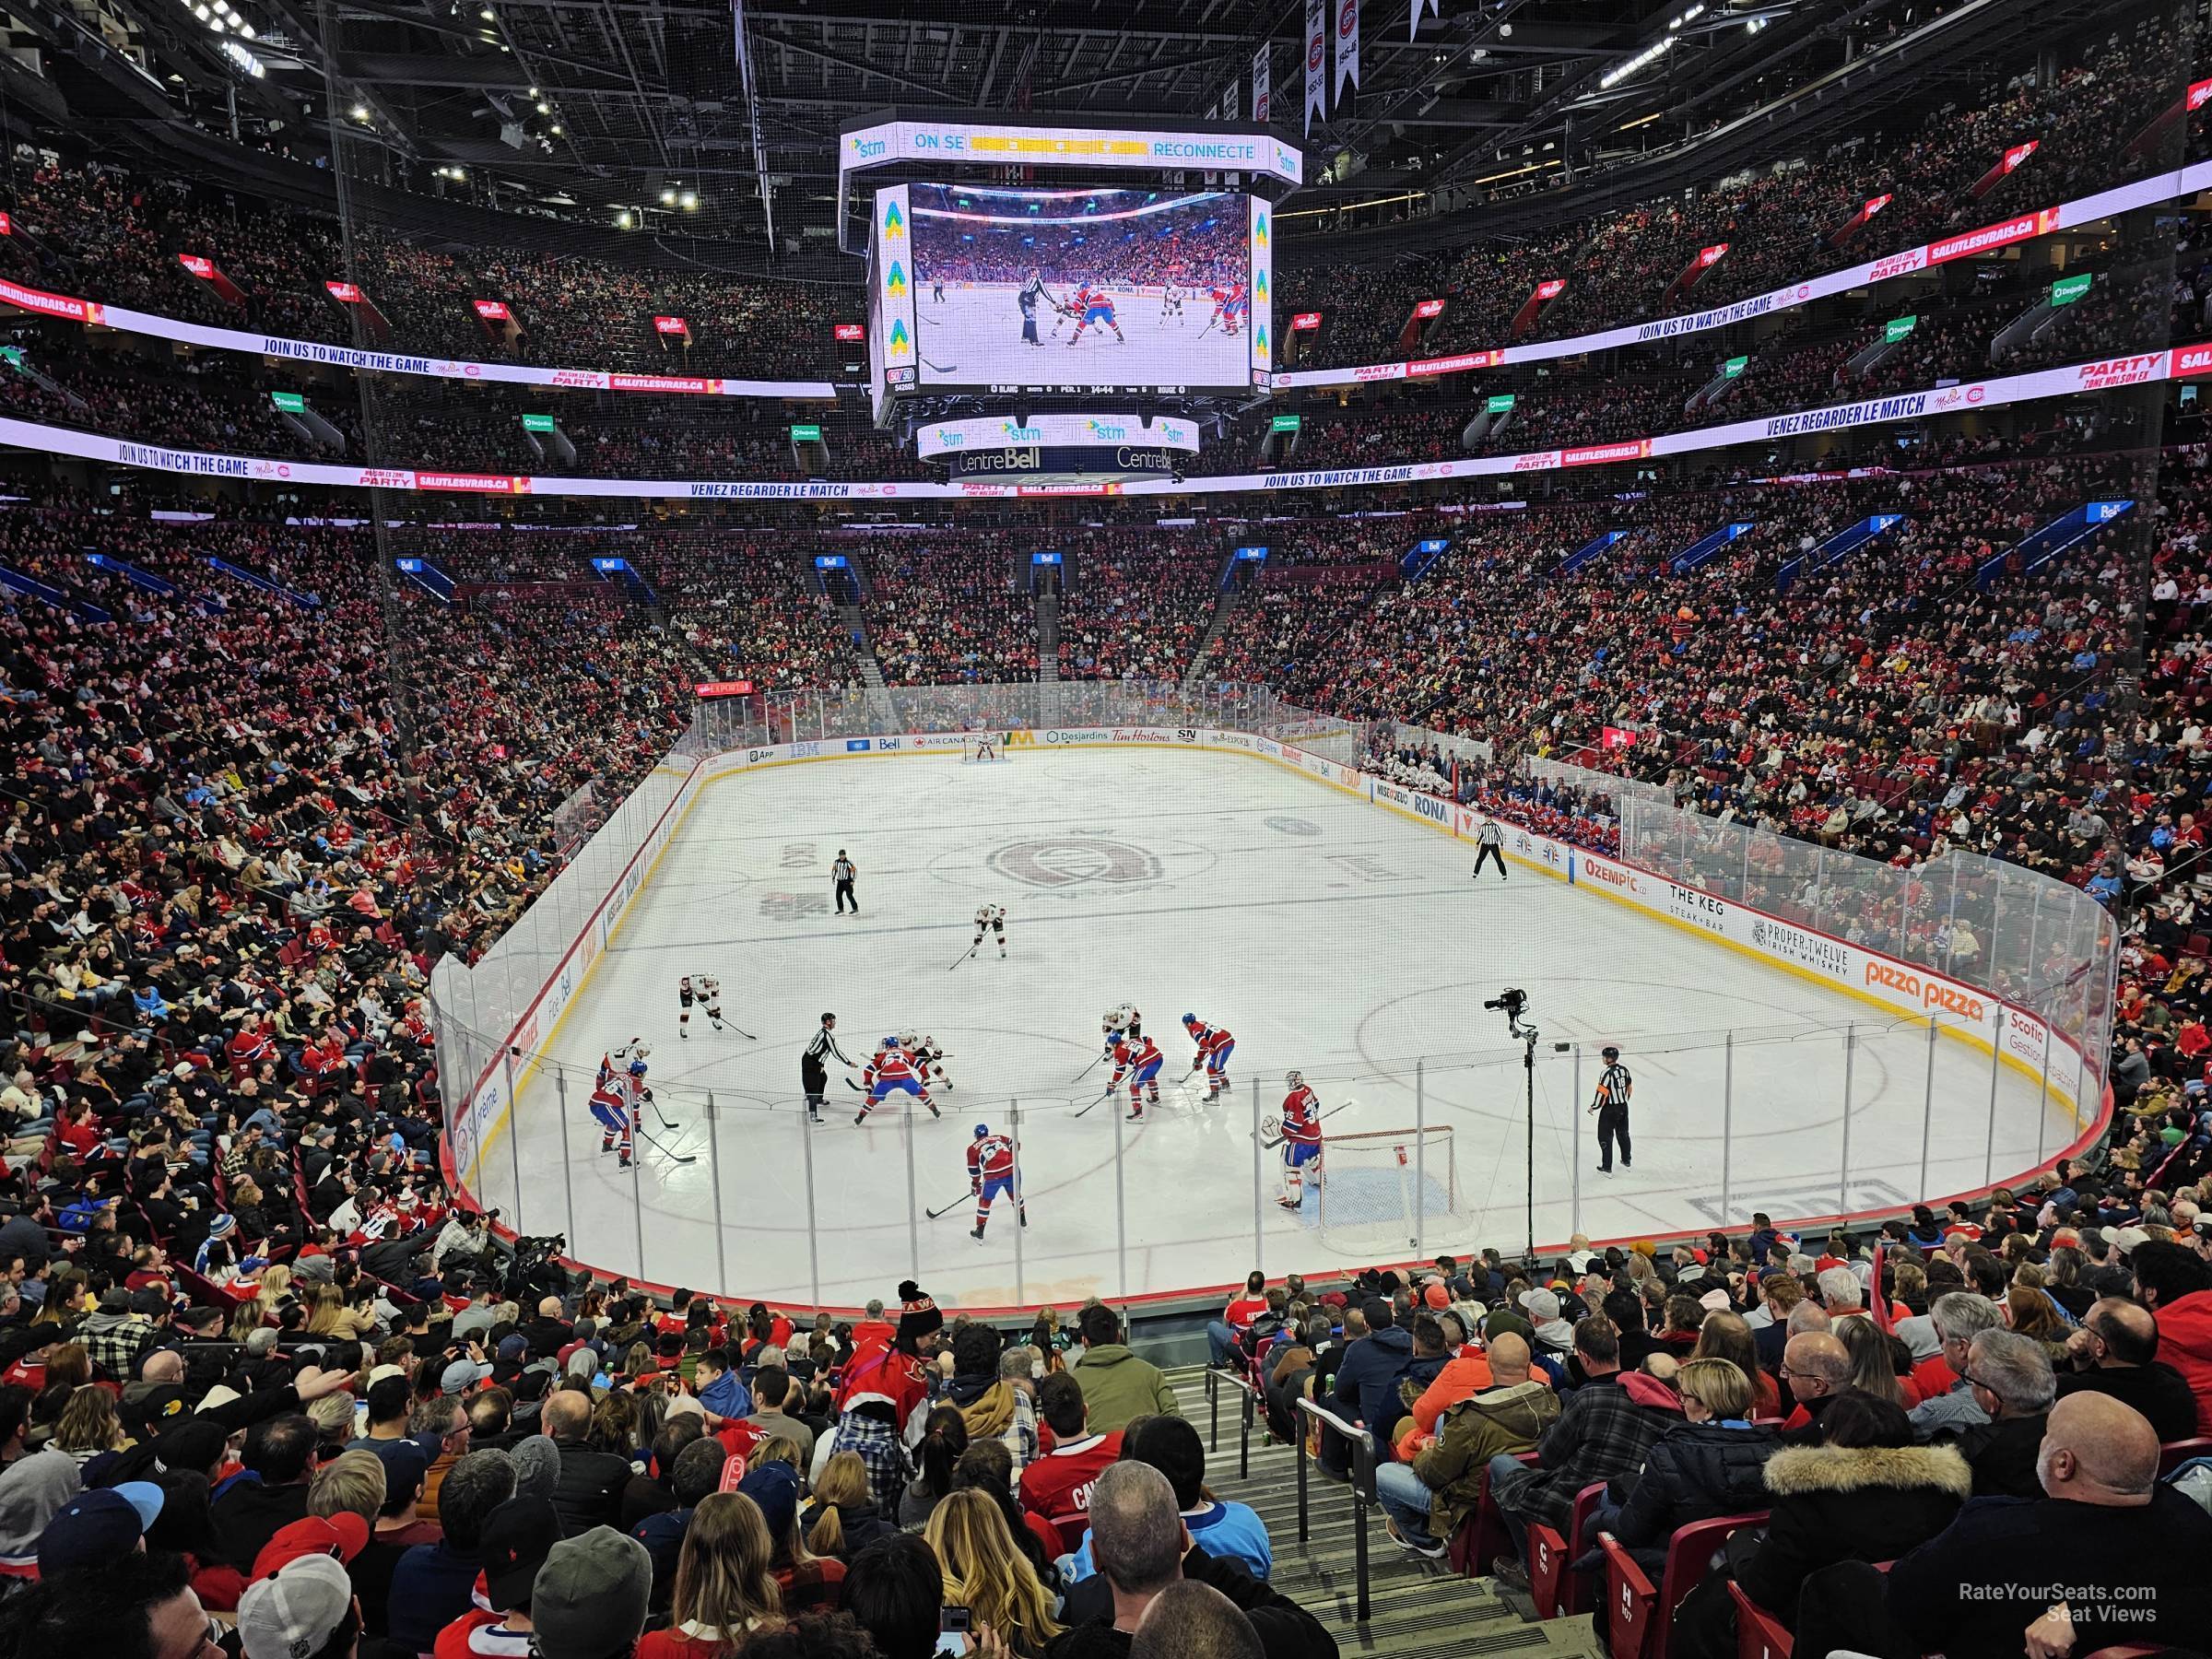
(1069, 861)
(867, 149)
(1021, 434)
(1106, 431)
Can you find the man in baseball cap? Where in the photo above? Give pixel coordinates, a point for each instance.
(305, 1611)
(341, 1536)
(99, 1528)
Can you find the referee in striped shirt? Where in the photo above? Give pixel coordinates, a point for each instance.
(813, 1075)
(1611, 1105)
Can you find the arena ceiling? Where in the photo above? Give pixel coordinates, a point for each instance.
(592, 106)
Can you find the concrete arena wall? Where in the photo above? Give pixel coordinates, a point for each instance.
(1961, 1013)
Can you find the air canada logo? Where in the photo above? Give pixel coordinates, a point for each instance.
(1068, 861)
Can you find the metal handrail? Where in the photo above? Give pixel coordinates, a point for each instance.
(1249, 1404)
(1363, 1490)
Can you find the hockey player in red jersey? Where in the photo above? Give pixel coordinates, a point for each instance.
(991, 1175)
(1302, 1140)
(892, 1069)
(615, 1102)
(1138, 1059)
(1215, 1046)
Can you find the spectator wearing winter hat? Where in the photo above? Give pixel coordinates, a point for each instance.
(518, 1536)
(32, 1491)
(590, 1597)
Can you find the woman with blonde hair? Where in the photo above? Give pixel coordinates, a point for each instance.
(986, 1574)
(724, 1591)
(841, 1518)
(89, 1425)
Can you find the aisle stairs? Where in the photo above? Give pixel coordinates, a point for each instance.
(1417, 1608)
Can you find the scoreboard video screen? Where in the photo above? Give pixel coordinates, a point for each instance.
(1076, 290)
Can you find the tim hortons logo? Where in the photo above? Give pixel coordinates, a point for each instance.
(1928, 992)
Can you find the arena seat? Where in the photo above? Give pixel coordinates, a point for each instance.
(1553, 1584)
(1639, 1616)
(1482, 1535)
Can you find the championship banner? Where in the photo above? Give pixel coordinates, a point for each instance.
(1259, 85)
(1317, 37)
(1413, 23)
(1233, 98)
(1348, 45)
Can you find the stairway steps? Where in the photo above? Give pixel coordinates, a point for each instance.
(1417, 1608)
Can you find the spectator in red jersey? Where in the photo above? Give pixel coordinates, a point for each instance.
(1236, 1319)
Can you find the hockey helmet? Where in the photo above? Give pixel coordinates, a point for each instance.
(1609, 1052)
(637, 1066)
(1295, 1079)
(1190, 1019)
(889, 1042)
(907, 1039)
(640, 1047)
(981, 1130)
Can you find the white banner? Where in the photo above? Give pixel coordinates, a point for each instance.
(1259, 85)
(1413, 23)
(1231, 100)
(2103, 374)
(1317, 72)
(1348, 46)
(2105, 204)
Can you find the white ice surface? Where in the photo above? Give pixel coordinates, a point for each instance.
(974, 338)
(1327, 933)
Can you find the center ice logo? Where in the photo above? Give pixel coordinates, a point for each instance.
(1067, 860)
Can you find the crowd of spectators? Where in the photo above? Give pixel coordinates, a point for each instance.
(939, 614)
(1138, 603)
(1778, 225)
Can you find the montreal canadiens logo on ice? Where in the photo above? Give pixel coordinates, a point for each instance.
(1066, 860)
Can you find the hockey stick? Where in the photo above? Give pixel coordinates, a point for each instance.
(666, 1121)
(964, 1198)
(1106, 1096)
(939, 368)
(1086, 1071)
(668, 1152)
(1206, 330)
(966, 954)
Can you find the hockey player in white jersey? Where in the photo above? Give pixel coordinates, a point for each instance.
(1120, 1021)
(927, 1055)
(991, 919)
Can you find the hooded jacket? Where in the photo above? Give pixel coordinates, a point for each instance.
(1848, 1504)
(1118, 1386)
(1471, 1432)
(2186, 1343)
(1367, 1382)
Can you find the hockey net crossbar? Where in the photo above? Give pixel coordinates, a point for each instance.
(1384, 1190)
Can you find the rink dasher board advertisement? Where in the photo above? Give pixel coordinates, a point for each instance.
(1910, 992)
(2104, 374)
(2156, 188)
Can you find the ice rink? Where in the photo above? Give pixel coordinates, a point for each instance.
(973, 335)
(1327, 933)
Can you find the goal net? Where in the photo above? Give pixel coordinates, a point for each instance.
(1381, 1190)
(982, 746)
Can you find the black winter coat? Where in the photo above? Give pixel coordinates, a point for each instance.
(1848, 1504)
(1694, 1472)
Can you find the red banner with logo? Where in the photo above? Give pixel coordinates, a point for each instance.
(1694, 272)
(851, 332)
(205, 269)
(1551, 289)
(1857, 221)
(2005, 167)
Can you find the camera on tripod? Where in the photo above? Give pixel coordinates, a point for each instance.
(1512, 1002)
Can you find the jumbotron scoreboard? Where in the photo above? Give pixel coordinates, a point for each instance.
(1051, 300)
